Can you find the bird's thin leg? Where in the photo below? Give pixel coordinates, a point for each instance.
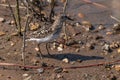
(47, 46)
(40, 51)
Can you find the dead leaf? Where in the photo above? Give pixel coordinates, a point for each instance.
(34, 26)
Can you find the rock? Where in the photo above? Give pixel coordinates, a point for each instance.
(117, 67)
(58, 70)
(72, 62)
(90, 46)
(2, 33)
(59, 48)
(44, 64)
(77, 50)
(114, 45)
(109, 33)
(79, 60)
(118, 50)
(65, 70)
(116, 27)
(25, 75)
(61, 45)
(12, 43)
(77, 24)
(37, 49)
(12, 22)
(59, 76)
(2, 19)
(40, 70)
(98, 37)
(80, 15)
(54, 46)
(28, 78)
(87, 25)
(101, 27)
(34, 26)
(35, 61)
(65, 60)
(106, 47)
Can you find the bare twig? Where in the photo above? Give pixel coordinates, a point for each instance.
(52, 5)
(24, 36)
(65, 6)
(13, 15)
(64, 12)
(18, 20)
(115, 18)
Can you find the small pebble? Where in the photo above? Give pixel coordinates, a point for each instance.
(12, 43)
(118, 50)
(117, 67)
(81, 15)
(35, 61)
(28, 78)
(12, 22)
(25, 75)
(116, 27)
(89, 46)
(37, 49)
(2, 19)
(87, 25)
(73, 62)
(40, 70)
(77, 50)
(2, 33)
(58, 70)
(34, 26)
(77, 24)
(59, 48)
(106, 47)
(59, 76)
(101, 27)
(109, 33)
(79, 60)
(65, 60)
(114, 45)
(65, 70)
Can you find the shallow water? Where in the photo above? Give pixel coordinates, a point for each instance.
(95, 14)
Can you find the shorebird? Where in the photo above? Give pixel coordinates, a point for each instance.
(56, 27)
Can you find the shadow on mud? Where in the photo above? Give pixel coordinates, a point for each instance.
(73, 57)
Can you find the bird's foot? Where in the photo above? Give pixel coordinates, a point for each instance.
(50, 55)
(40, 55)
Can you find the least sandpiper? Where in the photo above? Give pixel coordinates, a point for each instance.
(56, 28)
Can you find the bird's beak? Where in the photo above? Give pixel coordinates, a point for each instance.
(68, 18)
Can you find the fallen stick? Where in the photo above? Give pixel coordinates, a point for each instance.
(52, 67)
